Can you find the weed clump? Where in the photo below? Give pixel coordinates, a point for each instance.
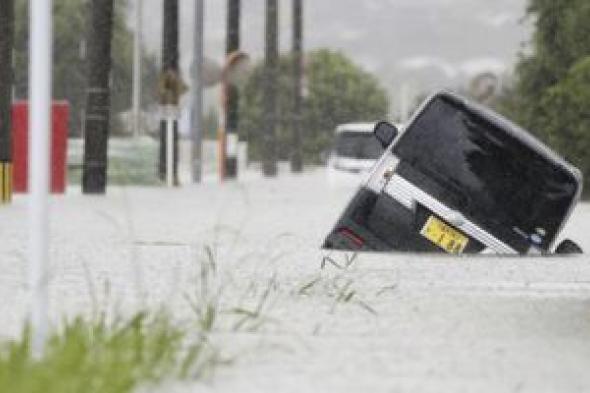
(99, 356)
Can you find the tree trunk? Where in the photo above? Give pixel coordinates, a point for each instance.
(6, 79)
(232, 93)
(269, 164)
(296, 155)
(197, 124)
(170, 57)
(98, 98)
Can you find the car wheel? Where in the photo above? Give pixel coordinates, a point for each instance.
(568, 247)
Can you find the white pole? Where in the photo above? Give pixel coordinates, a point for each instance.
(39, 136)
(197, 82)
(169, 150)
(137, 67)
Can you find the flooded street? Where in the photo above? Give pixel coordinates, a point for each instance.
(324, 321)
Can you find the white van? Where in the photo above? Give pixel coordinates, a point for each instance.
(354, 152)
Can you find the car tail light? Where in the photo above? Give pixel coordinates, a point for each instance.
(353, 237)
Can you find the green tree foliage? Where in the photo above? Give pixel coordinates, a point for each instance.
(550, 96)
(338, 92)
(567, 115)
(70, 18)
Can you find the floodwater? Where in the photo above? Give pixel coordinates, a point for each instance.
(378, 323)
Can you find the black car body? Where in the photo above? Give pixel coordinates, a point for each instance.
(460, 179)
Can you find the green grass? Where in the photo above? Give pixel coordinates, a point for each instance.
(100, 355)
(96, 356)
(247, 316)
(118, 355)
(339, 287)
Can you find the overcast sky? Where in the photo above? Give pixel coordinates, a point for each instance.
(422, 44)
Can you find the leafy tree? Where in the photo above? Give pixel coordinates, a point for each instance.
(550, 96)
(70, 18)
(567, 116)
(338, 92)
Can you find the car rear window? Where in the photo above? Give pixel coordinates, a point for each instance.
(504, 185)
(358, 145)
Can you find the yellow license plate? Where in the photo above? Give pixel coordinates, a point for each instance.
(444, 236)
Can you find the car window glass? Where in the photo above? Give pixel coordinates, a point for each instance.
(358, 145)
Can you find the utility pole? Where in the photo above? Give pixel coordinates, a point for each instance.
(98, 106)
(170, 89)
(230, 136)
(296, 155)
(40, 65)
(197, 110)
(269, 164)
(6, 82)
(137, 40)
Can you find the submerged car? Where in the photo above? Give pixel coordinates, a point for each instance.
(460, 179)
(354, 152)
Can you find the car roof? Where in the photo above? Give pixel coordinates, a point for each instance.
(355, 127)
